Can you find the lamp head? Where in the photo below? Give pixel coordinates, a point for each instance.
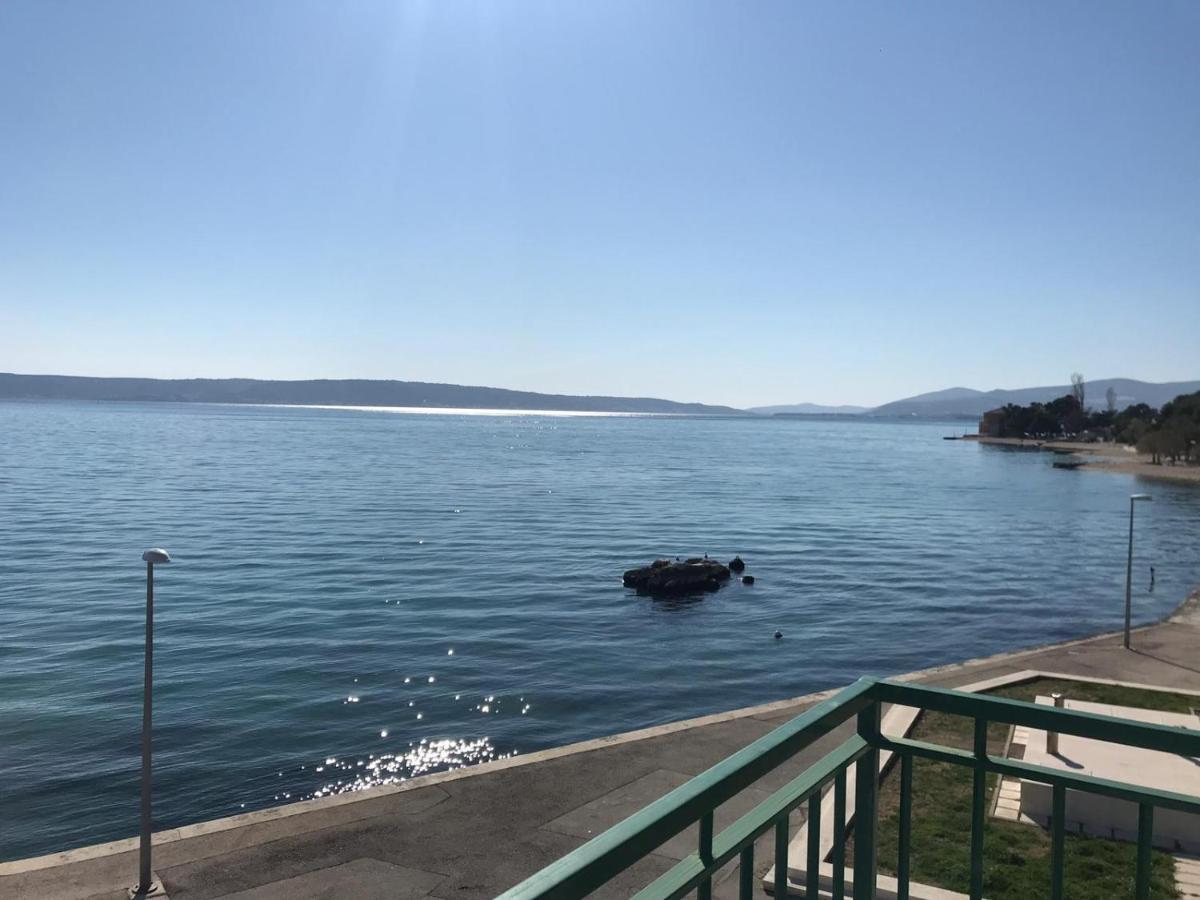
(1140, 497)
(156, 555)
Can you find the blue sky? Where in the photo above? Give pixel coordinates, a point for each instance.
(741, 203)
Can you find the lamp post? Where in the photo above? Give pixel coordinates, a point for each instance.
(146, 886)
(1133, 499)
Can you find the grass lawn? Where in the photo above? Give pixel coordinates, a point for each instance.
(1016, 857)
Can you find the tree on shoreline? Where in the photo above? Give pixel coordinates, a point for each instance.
(1058, 418)
(1176, 434)
(1131, 423)
(1077, 389)
(1172, 434)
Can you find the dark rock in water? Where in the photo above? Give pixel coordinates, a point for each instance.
(747, 579)
(736, 565)
(663, 578)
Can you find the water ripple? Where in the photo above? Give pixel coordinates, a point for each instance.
(459, 578)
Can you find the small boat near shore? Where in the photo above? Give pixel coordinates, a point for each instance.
(1069, 463)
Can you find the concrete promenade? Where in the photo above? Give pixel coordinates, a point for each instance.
(473, 833)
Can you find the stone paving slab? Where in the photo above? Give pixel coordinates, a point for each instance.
(372, 880)
(486, 828)
(1187, 876)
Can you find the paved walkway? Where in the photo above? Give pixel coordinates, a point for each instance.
(473, 833)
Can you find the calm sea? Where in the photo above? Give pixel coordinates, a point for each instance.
(360, 596)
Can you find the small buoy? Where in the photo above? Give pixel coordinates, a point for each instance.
(747, 579)
(778, 635)
(737, 565)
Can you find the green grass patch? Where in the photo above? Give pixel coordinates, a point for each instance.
(1016, 857)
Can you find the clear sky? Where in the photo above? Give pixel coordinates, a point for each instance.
(741, 203)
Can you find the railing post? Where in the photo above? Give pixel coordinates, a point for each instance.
(866, 791)
(978, 809)
(1058, 813)
(814, 847)
(781, 857)
(839, 836)
(746, 873)
(1145, 845)
(704, 889)
(905, 842)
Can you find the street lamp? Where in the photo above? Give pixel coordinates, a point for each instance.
(146, 886)
(1133, 499)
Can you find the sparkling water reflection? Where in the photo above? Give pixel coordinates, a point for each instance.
(394, 768)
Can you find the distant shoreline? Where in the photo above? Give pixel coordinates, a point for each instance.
(1114, 458)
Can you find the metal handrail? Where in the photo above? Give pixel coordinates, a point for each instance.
(605, 856)
(1148, 736)
(596, 862)
(741, 835)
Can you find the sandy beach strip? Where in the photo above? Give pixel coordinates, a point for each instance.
(1117, 458)
(1142, 467)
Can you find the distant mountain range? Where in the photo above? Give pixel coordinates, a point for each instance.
(960, 401)
(809, 409)
(967, 402)
(351, 392)
(950, 403)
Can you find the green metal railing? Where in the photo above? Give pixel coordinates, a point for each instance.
(595, 863)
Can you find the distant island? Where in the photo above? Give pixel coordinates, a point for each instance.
(326, 392)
